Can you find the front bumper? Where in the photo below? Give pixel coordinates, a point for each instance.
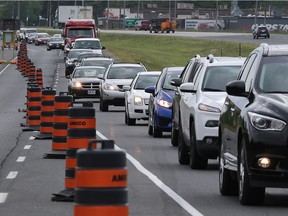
(138, 112)
(272, 145)
(115, 98)
(85, 93)
(163, 118)
(206, 128)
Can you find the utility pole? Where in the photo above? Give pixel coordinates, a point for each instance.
(107, 13)
(124, 14)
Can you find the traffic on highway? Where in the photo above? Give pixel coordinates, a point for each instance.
(166, 124)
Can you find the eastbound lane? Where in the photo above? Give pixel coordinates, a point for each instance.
(157, 184)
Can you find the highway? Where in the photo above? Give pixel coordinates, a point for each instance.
(157, 184)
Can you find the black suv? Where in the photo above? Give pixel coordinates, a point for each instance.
(261, 31)
(187, 75)
(253, 129)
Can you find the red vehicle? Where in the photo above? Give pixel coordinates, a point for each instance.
(142, 25)
(78, 28)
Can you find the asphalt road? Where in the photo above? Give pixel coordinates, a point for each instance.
(157, 184)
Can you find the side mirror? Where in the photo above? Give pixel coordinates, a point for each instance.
(187, 88)
(176, 82)
(150, 89)
(100, 76)
(103, 47)
(126, 88)
(236, 88)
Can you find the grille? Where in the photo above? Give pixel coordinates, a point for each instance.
(90, 85)
(120, 86)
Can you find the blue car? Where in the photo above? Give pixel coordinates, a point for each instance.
(160, 102)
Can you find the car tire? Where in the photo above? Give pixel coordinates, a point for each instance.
(129, 120)
(247, 195)
(150, 128)
(103, 105)
(183, 154)
(156, 131)
(174, 134)
(48, 49)
(227, 185)
(196, 161)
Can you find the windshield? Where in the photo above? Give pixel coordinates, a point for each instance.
(87, 45)
(124, 72)
(57, 39)
(74, 54)
(31, 31)
(216, 78)
(43, 35)
(169, 76)
(103, 63)
(88, 72)
(144, 81)
(273, 75)
(80, 33)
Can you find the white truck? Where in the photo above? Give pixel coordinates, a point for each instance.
(64, 13)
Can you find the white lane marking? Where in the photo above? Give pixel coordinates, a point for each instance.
(183, 203)
(21, 159)
(27, 146)
(12, 175)
(31, 138)
(4, 69)
(3, 197)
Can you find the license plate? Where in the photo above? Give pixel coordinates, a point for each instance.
(91, 92)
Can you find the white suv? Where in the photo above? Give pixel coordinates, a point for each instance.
(200, 107)
(115, 77)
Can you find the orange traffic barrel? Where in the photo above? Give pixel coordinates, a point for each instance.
(60, 124)
(39, 77)
(33, 108)
(81, 129)
(101, 181)
(47, 114)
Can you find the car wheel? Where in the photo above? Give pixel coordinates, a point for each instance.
(254, 36)
(129, 120)
(150, 129)
(156, 131)
(247, 195)
(48, 49)
(196, 161)
(174, 134)
(183, 154)
(227, 185)
(103, 105)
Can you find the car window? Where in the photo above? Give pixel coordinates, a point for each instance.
(87, 45)
(125, 72)
(144, 81)
(216, 78)
(103, 63)
(273, 75)
(169, 76)
(91, 72)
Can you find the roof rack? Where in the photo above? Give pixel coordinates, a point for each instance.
(210, 57)
(265, 48)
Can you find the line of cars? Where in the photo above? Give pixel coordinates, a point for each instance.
(230, 108)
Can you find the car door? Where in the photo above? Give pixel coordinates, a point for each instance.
(238, 104)
(186, 104)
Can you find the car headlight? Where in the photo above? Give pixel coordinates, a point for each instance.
(262, 122)
(76, 84)
(110, 87)
(164, 103)
(138, 101)
(69, 62)
(206, 108)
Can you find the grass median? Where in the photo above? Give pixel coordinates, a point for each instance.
(162, 51)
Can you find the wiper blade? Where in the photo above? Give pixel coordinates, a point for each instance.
(277, 92)
(212, 89)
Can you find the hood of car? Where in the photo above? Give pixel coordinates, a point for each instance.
(141, 93)
(215, 99)
(276, 104)
(166, 95)
(119, 81)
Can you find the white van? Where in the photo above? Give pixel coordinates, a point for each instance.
(89, 43)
